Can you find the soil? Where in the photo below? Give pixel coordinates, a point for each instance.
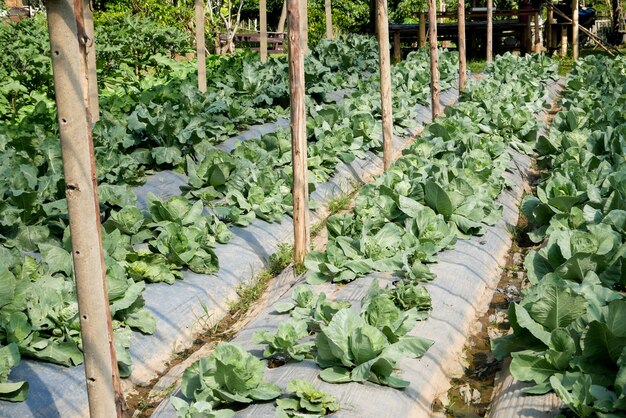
(470, 395)
(139, 403)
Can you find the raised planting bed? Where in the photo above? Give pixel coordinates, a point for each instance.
(180, 309)
(465, 278)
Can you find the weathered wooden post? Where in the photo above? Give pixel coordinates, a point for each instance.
(263, 23)
(304, 22)
(329, 19)
(94, 104)
(563, 40)
(575, 29)
(397, 47)
(434, 57)
(422, 30)
(200, 45)
(462, 58)
(489, 30)
(382, 25)
(298, 134)
(283, 18)
(537, 47)
(549, 35)
(529, 39)
(69, 49)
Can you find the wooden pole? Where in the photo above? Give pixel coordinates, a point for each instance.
(549, 35)
(434, 57)
(397, 48)
(563, 41)
(489, 30)
(283, 18)
(462, 58)
(529, 40)
(385, 79)
(422, 30)
(575, 29)
(298, 134)
(200, 45)
(94, 106)
(263, 23)
(68, 45)
(329, 19)
(537, 34)
(304, 22)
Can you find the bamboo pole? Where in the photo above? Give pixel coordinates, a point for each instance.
(263, 23)
(422, 30)
(329, 19)
(462, 58)
(94, 106)
(68, 45)
(575, 29)
(304, 22)
(537, 34)
(397, 48)
(489, 30)
(283, 18)
(385, 79)
(434, 57)
(200, 45)
(563, 41)
(298, 134)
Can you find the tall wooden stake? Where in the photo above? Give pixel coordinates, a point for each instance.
(462, 59)
(382, 25)
(329, 19)
(575, 29)
(200, 45)
(489, 30)
(434, 57)
(422, 30)
(563, 41)
(549, 34)
(298, 134)
(537, 47)
(529, 39)
(94, 106)
(68, 45)
(263, 23)
(397, 47)
(304, 25)
(283, 18)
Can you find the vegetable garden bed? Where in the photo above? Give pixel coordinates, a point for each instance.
(568, 340)
(182, 309)
(466, 275)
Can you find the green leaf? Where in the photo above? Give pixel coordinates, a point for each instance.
(530, 367)
(437, 199)
(335, 375)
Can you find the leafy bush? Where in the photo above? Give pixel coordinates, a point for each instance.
(128, 46)
(229, 375)
(349, 349)
(284, 342)
(307, 400)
